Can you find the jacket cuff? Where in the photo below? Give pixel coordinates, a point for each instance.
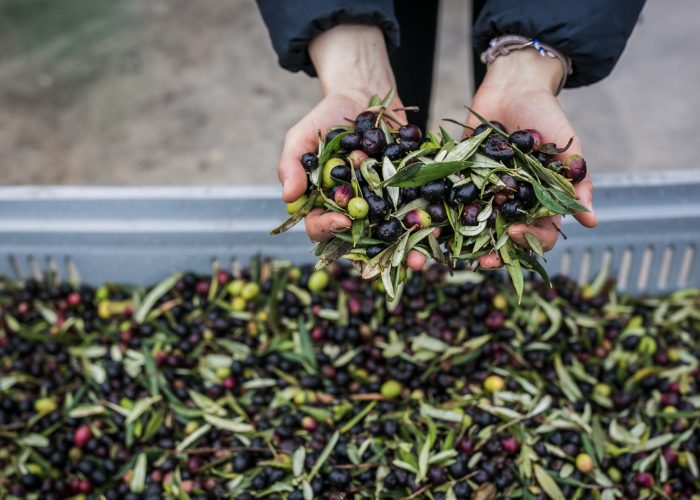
(292, 25)
(592, 34)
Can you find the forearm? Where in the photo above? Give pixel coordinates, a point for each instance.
(523, 70)
(352, 60)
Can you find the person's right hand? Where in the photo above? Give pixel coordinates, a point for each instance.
(352, 64)
(334, 109)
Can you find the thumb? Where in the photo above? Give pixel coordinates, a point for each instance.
(584, 193)
(290, 171)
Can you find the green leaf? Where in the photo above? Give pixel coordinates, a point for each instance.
(535, 243)
(193, 437)
(532, 263)
(329, 149)
(358, 418)
(297, 216)
(358, 228)
(307, 347)
(140, 407)
(418, 203)
(568, 201)
(400, 251)
(34, 440)
(548, 485)
(371, 176)
(324, 455)
(138, 479)
(417, 174)
(512, 264)
(548, 201)
(298, 461)
(153, 296)
(229, 425)
(388, 98)
(389, 170)
(568, 386)
(465, 149)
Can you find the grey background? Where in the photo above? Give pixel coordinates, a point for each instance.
(106, 92)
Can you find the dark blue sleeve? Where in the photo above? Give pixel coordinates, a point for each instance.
(593, 33)
(292, 24)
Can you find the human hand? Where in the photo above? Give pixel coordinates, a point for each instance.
(518, 91)
(352, 64)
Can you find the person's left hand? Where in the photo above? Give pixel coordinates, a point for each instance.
(518, 91)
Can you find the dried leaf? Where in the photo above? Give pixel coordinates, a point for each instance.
(552, 149)
(486, 491)
(296, 216)
(335, 249)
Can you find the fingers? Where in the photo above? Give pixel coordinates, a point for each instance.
(415, 260)
(290, 172)
(490, 261)
(545, 230)
(584, 193)
(320, 225)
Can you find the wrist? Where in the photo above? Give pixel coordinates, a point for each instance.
(524, 70)
(352, 60)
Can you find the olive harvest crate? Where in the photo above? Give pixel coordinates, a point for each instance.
(648, 234)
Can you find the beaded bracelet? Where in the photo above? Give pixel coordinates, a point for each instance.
(505, 44)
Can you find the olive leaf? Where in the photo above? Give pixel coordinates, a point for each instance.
(379, 262)
(437, 253)
(388, 97)
(535, 243)
(512, 264)
(416, 174)
(533, 264)
(325, 453)
(298, 461)
(486, 491)
(472, 230)
(137, 484)
(388, 282)
(229, 425)
(568, 202)
(551, 149)
(465, 149)
(400, 251)
(329, 149)
(335, 249)
(153, 296)
(358, 227)
(371, 175)
(388, 170)
(548, 485)
(548, 201)
(296, 216)
(568, 386)
(418, 203)
(481, 161)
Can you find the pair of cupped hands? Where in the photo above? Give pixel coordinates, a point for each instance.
(352, 64)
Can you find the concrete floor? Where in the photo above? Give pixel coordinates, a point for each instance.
(177, 92)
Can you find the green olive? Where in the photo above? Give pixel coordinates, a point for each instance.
(358, 208)
(296, 205)
(328, 181)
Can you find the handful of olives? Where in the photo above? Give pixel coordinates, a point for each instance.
(448, 199)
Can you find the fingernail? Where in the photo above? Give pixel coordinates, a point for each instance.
(337, 227)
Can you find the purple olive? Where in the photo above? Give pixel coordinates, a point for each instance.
(373, 141)
(410, 132)
(420, 219)
(523, 140)
(469, 214)
(575, 168)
